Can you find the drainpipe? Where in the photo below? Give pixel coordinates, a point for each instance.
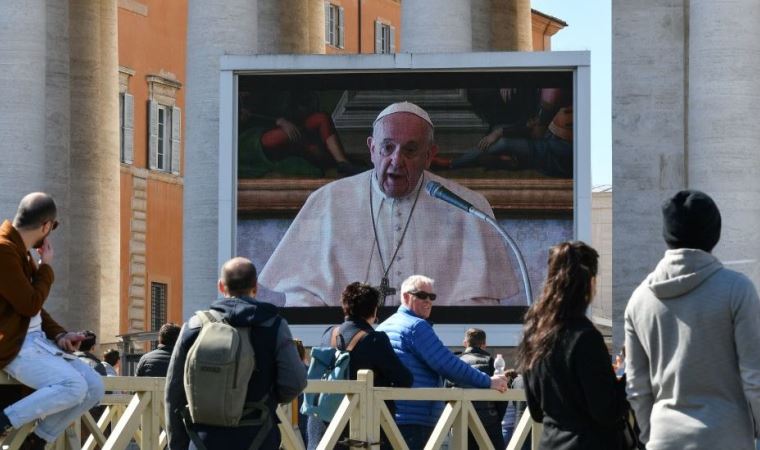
(360, 27)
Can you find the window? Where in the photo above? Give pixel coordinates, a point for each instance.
(164, 145)
(334, 25)
(384, 38)
(126, 127)
(121, 127)
(157, 305)
(163, 150)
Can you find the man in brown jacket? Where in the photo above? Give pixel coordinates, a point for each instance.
(34, 349)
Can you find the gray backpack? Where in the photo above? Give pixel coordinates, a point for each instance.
(219, 366)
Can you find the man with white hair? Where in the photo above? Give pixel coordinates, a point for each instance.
(422, 352)
(378, 225)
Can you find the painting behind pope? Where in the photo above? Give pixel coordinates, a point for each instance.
(484, 128)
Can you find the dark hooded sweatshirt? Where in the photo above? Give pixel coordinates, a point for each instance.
(280, 375)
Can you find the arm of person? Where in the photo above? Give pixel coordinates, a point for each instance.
(391, 366)
(430, 349)
(291, 373)
(533, 399)
(638, 381)
(174, 394)
(746, 314)
(51, 328)
(290, 129)
(140, 370)
(604, 394)
(25, 297)
(65, 340)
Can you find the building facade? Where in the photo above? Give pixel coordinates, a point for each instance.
(152, 37)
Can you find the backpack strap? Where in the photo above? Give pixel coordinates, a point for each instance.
(188, 421)
(208, 316)
(334, 336)
(355, 340)
(264, 421)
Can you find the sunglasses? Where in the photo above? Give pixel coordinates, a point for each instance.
(422, 295)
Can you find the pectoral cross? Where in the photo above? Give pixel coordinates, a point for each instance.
(385, 289)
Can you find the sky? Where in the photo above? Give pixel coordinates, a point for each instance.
(589, 28)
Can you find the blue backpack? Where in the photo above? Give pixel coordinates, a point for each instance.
(329, 363)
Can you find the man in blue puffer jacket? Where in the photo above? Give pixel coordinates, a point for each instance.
(422, 352)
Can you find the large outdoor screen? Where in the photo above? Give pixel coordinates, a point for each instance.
(314, 212)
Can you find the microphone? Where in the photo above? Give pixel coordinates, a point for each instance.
(437, 190)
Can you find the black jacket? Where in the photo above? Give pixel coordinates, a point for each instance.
(280, 374)
(92, 361)
(373, 352)
(155, 363)
(489, 412)
(575, 393)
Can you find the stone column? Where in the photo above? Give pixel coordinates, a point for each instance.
(724, 93)
(316, 27)
(93, 299)
(108, 193)
(436, 26)
(215, 28)
(511, 25)
(480, 14)
(22, 108)
(648, 136)
(57, 138)
(284, 26)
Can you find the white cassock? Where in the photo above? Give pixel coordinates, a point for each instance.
(331, 244)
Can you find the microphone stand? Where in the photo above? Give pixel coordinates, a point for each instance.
(437, 190)
(512, 245)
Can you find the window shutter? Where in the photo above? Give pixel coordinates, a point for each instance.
(327, 23)
(129, 128)
(152, 134)
(393, 40)
(378, 37)
(176, 131)
(341, 35)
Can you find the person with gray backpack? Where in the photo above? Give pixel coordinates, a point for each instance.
(230, 368)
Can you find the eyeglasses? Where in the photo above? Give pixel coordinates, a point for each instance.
(422, 295)
(387, 148)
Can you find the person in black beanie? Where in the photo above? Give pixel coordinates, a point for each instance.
(691, 220)
(691, 333)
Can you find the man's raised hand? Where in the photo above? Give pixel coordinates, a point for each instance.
(46, 252)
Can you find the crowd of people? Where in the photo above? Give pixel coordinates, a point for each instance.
(690, 378)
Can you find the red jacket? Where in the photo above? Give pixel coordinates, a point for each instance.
(23, 290)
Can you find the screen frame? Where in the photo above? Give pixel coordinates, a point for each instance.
(233, 66)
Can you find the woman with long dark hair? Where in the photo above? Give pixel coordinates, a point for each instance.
(569, 381)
